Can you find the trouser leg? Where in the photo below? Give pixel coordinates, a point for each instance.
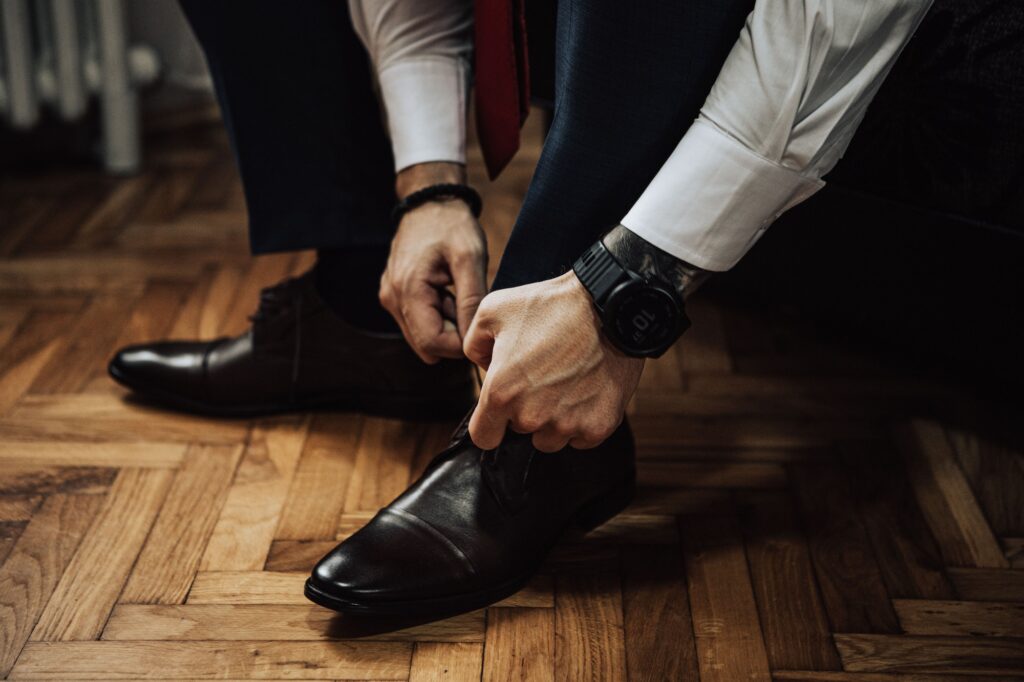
(295, 89)
(630, 78)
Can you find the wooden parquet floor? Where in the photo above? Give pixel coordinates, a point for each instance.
(806, 512)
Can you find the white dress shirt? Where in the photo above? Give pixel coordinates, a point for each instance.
(783, 110)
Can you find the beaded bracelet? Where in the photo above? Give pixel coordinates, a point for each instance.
(434, 193)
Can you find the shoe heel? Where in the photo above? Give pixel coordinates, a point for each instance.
(601, 509)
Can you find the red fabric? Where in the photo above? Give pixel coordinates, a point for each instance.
(502, 79)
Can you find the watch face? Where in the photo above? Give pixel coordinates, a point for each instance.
(645, 319)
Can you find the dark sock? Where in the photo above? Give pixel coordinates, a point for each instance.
(348, 280)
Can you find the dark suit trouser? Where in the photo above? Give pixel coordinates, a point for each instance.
(295, 89)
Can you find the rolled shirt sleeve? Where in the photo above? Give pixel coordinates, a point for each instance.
(421, 51)
(780, 115)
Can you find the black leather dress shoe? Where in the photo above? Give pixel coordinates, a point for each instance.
(297, 355)
(474, 528)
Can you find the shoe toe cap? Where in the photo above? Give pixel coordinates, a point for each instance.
(172, 367)
(394, 558)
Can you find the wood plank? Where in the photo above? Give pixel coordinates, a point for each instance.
(659, 431)
(520, 645)
(104, 418)
(168, 562)
(248, 587)
(198, 307)
(97, 573)
(295, 622)
(663, 375)
(285, 587)
(793, 620)
(261, 272)
(11, 318)
(438, 662)
(64, 217)
(851, 583)
(658, 473)
(16, 379)
(35, 564)
(907, 555)
(213, 229)
(988, 584)
(318, 489)
(1013, 548)
(956, 655)
(996, 474)
(589, 643)
(635, 529)
(107, 219)
(809, 403)
(18, 507)
(948, 504)
(245, 528)
(822, 676)
(703, 349)
(383, 463)
(960, 618)
(656, 615)
(538, 593)
(41, 328)
(214, 660)
(87, 347)
(297, 555)
(725, 622)
(152, 316)
(659, 501)
(43, 480)
(10, 531)
(69, 453)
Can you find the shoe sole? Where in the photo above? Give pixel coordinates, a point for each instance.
(381, 405)
(590, 516)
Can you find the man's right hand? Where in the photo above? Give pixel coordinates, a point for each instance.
(438, 245)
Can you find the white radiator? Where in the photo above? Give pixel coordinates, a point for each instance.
(58, 53)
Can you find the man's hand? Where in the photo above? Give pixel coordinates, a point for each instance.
(438, 245)
(550, 371)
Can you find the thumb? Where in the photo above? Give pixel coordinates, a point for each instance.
(478, 343)
(470, 288)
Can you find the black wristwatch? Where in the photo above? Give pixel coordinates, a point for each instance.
(642, 317)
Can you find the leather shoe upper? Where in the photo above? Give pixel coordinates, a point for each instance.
(298, 353)
(476, 520)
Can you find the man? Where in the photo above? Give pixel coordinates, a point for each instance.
(689, 126)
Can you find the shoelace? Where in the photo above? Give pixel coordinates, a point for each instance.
(275, 302)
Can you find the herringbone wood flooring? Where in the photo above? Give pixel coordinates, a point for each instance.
(806, 512)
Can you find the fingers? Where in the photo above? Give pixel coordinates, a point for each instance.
(489, 420)
(418, 312)
(469, 272)
(431, 335)
(478, 341)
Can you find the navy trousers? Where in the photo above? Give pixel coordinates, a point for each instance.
(295, 89)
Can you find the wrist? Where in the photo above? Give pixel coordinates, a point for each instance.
(414, 178)
(640, 256)
(641, 313)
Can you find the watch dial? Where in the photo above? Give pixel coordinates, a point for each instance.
(645, 318)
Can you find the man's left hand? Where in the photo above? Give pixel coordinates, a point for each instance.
(550, 370)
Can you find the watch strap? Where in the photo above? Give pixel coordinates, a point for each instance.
(599, 272)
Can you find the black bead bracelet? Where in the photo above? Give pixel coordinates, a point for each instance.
(442, 191)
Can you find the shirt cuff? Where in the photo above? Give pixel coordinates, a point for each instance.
(714, 198)
(425, 99)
